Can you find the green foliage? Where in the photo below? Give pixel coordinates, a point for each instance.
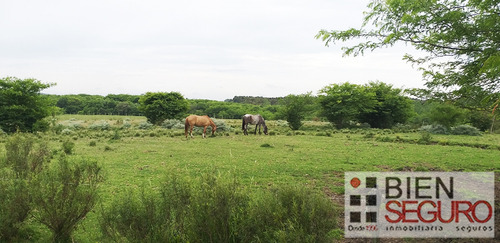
(173, 124)
(100, 126)
(216, 208)
(425, 138)
(465, 130)
(289, 214)
(22, 161)
(446, 114)
(466, 31)
(231, 110)
(480, 119)
(221, 125)
(145, 125)
(160, 106)
(121, 104)
(377, 104)
(295, 108)
(23, 157)
(435, 129)
(391, 107)
(260, 101)
(64, 193)
(21, 105)
(343, 103)
(67, 147)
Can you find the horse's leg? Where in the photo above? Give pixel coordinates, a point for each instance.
(204, 131)
(191, 131)
(245, 127)
(255, 132)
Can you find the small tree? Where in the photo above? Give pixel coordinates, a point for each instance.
(160, 106)
(295, 108)
(21, 104)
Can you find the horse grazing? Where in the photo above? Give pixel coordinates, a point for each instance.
(256, 120)
(199, 121)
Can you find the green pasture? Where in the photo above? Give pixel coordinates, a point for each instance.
(315, 157)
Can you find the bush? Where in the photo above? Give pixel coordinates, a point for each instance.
(434, 129)
(289, 214)
(173, 124)
(221, 125)
(100, 126)
(14, 205)
(21, 163)
(67, 147)
(425, 138)
(63, 194)
(465, 130)
(215, 208)
(23, 157)
(145, 125)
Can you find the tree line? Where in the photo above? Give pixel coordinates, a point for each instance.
(128, 105)
(376, 105)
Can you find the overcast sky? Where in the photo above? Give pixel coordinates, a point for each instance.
(213, 49)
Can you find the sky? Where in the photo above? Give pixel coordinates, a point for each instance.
(202, 49)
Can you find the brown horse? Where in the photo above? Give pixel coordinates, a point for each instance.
(199, 121)
(256, 120)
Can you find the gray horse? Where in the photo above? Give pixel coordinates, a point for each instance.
(256, 120)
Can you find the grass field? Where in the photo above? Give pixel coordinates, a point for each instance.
(316, 157)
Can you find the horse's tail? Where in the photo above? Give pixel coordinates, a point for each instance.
(186, 126)
(243, 123)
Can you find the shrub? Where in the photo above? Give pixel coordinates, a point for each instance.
(173, 124)
(116, 135)
(221, 125)
(66, 131)
(434, 129)
(145, 125)
(402, 128)
(100, 126)
(63, 194)
(22, 156)
(288, 214)
(126, 125)
(465, 130)
(14, 205)
(67, 147)
(425, 138)
(215, 208)
(21, 163)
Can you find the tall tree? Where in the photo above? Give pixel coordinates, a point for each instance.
(21, 105)
(461, 37)
(160, 106)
